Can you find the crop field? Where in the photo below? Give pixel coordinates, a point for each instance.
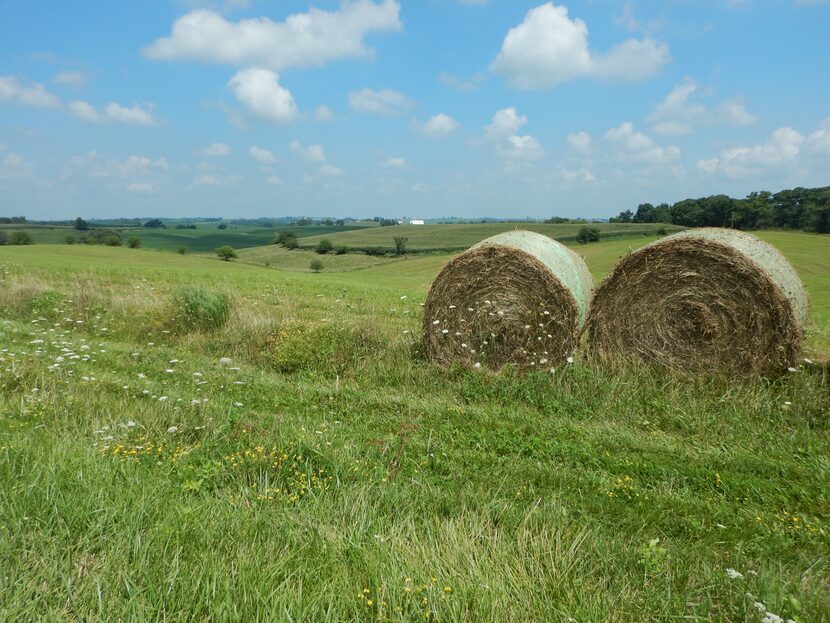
(462, 235)
(183, 438)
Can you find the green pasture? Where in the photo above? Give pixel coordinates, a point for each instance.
(303, 462)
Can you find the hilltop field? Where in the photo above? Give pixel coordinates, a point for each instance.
(183, 438)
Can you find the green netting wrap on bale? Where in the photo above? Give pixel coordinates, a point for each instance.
(517, 298)
(702, 299)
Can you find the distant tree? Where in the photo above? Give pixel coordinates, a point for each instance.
(181, 250)
(387, 222)
(155, 224)
(324, 246)
(400, 244)
(133, 242)
(112, 240)
(587, 234)
(18, 236)
(625, 217)
(328, 222)
(316, 265)
(304, 221)
(340, 222)
(80, 224)
(222, 226)
(341, 249)
(554, 220)
(287, 239)
(3, 237)
(226, 252)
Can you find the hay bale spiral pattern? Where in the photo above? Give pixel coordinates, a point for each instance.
(516, 298)
(702, 299)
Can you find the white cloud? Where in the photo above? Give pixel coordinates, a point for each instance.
(395, 163)
(781, 149)
(259, 89)
(113, 113)
(261, 155)
(141, 188)
(549, 48)
(312, 153)
(630, 22)
(274, 180)
(302, 40)
(216, 150)
(582, 174)
(502, 132)
(323, 113)
(819, 141)
(630, 145)
(459, 84)
(438, 126)
(580, 142)
(383, 102)
(74, 79)
(206, 180)
(329, 170)
(31, 94)
(678, 114)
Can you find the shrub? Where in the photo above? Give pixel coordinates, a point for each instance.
(324, 246)
(181, 250)
(588, 234)
(222, 226)
(341, 249)
(69, 239)
(202, 310)
(112, 240)
(20, 237)
(374, 251)
(661, 231)
(400, 245)
(226, 252)
(133, 242)
(316, 265)
(287, 239)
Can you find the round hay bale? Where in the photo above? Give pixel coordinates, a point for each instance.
(516, 298)
(705, 298)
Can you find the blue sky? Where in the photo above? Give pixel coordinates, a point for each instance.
(247, 108)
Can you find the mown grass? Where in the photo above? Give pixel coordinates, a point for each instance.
(328, 472)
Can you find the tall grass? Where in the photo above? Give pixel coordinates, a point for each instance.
(202, 310)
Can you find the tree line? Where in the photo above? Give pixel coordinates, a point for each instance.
(805, 209)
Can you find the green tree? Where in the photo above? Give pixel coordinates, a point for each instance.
(80, 224)
(155, 224)
(400, 244)
(287, 239)
(324, 246)
(222, 226)
(316, 265)
(181, 250)
(19, 236)
(226, 252)
(133, 242)
(587, 234)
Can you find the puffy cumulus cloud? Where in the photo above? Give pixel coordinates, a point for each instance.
(781, 149)
(394, 163)
(216, 150)
(582, 174)
(818, 142)
(73, 79)
(437, 126)
(262, 155)
(260, 91)
(677, 113)
(114, 113)
(549, 48)
(323, 114)
(382, 102)
(502, 132)
(29, 94)
(630, 145)
(302, 40)
(580, 142)
(312, 153)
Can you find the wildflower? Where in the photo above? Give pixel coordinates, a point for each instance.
(172, 429)
(445, 331)
(436, 322)
(404, 297)
(476, 365)
(570, 359)
(225, 361)
(130, 424)
(734, 575)
(169, 370)
(791, 370)
(237, 404)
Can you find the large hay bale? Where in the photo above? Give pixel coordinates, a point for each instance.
(702, 299)
(516, 298)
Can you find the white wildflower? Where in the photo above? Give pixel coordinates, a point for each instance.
(237, 404)
(476, 365)
(436, 322)
(570, 360)
(224, 361)
(734, 575)
(172, 429)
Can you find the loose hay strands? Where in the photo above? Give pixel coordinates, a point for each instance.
(702, 299)
(517, 298)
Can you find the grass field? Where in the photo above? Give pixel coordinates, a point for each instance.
(462, 235)
(328, 473)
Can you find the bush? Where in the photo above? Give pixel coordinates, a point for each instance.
(112, 241)
(226, 252)
(181, 250)
(287, 239)
(324, 246)
(588, 234)
(19, 236)
(661, 231)
(69, 239)
(316, 265)
(202, 310)
(222, 226)
(374, 251)
(400, 245)
(133, 242)
(341, 249)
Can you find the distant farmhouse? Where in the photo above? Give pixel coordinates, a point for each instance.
(416, 221)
